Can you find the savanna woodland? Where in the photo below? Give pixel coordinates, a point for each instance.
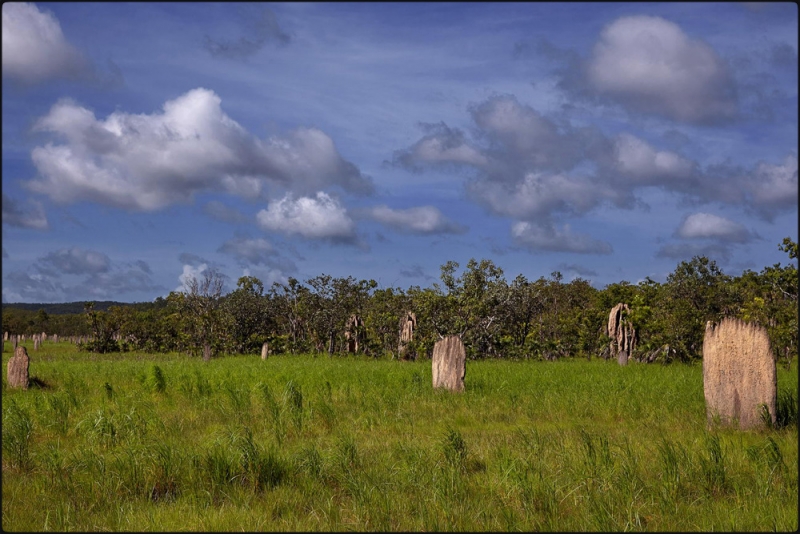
(163, 415)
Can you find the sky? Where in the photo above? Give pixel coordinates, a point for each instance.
(145, 143)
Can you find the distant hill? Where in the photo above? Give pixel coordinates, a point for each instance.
(64, 308)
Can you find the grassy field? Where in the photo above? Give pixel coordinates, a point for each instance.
(164, 442)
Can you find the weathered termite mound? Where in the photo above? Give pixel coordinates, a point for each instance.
(449, 364)
(18, 369)
(622, 334)
(407, 326)
(739, 374)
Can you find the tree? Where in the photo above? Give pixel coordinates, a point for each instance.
(249, 321)
(291, 307)
(692, 296)
(382, 317)
(103, 329)
(198, 309)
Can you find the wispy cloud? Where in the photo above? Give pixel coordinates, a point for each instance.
(259, 251)
(545, 237)
(260, 28)
(219, 211)
(29, 215)
(421, 220)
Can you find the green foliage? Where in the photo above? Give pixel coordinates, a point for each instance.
(544, 319)
(455, 449)
(17, 431)
(155, 380)
(530, 445)
(786, 409)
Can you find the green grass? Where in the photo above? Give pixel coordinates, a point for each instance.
(164, 442)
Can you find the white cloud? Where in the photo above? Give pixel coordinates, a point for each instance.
(440, 145)
(538, 195)
(34, 48)
(637, 159)
(31, 215)
(417, 220)
(436, 149)
(147, 162)
(651, 65)
(775, 186)
(189, 273)
(547, 237)
(707, 225)
(521, 134)
(319, 217)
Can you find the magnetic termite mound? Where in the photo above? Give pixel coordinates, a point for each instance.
(739, 374)
(449, 364)
(18, 369)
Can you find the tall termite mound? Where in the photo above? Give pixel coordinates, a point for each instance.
(449, 364)
(407, 326)
(18, 369)
(621, 332)
(739, 374)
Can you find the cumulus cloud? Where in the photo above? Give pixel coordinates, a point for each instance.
(75, 260)
(774, 187)
(34, 47)
(22, 286)
(651, 65)
(114, 283)
(707, 225)
(441, 144)
(537, 196)
(189, 273)
(418, 220)
(31, 215)
(518, 131)
(147, 162)
(319, 217)
(546, 237)
(531, 168)
(52, 278)
(256, 252)
(36, 51)
(638, 160)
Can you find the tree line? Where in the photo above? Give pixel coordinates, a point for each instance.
(545, 318)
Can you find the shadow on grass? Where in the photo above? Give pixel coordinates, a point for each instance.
(37, 383)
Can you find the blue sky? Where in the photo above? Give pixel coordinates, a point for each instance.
(146, 142)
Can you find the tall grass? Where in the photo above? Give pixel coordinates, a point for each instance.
(144, 442)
